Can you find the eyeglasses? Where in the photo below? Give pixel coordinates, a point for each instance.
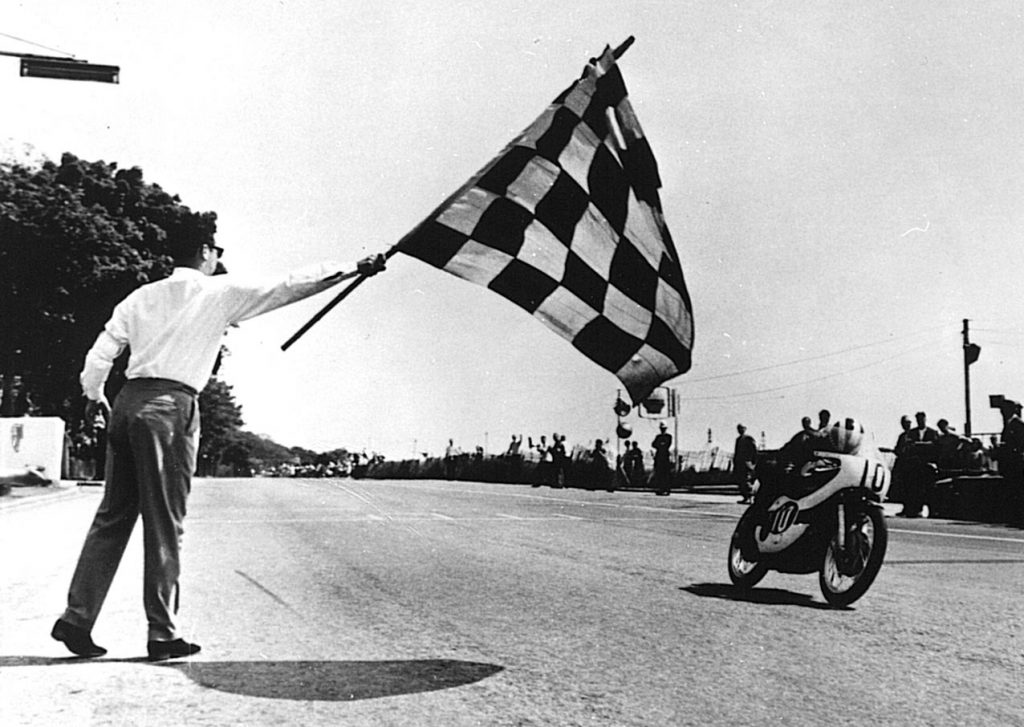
(217, 249)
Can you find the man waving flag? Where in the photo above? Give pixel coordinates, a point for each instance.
(566, 222)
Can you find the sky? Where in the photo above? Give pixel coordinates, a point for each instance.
(843, 183)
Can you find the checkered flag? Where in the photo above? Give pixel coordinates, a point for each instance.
(567, 224)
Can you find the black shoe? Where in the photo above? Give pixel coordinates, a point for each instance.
(163, 650)
(77, 639)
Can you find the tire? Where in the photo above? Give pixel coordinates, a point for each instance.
(743, 573)
(841, 590)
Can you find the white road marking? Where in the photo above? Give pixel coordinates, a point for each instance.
(664, 511)
(967, 536)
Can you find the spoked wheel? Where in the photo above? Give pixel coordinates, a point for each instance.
(742, 572)
(847, 574)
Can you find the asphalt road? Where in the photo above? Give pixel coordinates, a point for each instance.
(341, 602)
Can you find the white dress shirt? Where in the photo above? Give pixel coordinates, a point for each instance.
(175, 326)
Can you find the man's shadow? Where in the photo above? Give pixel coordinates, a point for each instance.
(768, 596)
(331, 681)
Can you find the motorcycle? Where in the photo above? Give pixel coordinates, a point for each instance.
(821, 515)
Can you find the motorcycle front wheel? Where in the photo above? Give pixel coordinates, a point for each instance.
(742, 572)
(846, 574)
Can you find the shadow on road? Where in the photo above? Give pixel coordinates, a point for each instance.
(332, 681)
(770, 596)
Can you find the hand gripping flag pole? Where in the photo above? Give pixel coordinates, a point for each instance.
(566, 222)
(327, 308)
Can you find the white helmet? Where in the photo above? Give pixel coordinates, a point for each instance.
(846, 436)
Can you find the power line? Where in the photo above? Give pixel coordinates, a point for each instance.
(809, 381)
(999, 331)
(809, 358)
(37, 45)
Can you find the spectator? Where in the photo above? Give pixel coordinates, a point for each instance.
(559, 460)
(637, 472)
(1011, 459)
(974, 458)
(921, 470)
(901, 451)
(662, 446)
(451, 455)
(951, 447)
(514, 458)
(824, 417)
(744, 460)
(903, 440)
(922, 433)
(622, 463)
(602, 472)
(543, 471)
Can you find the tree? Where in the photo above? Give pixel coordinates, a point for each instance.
(247, 454)
(75, 238)
(221, 420)
(305, 456)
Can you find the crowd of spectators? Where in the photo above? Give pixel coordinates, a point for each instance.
(927, 457)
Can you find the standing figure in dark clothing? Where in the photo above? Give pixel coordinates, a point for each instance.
(921, 470)
(559, 460)
(451, 455)
(638, 472)
(899, 467)
(542, 473)
(622, 465)
(1011, 460)
(744, 460)
(662, 445)
(99, 446)
(602, 472)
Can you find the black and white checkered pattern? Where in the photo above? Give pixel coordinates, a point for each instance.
(566, 223)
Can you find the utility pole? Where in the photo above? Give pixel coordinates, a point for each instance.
(971, 353)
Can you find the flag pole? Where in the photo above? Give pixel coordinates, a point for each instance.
(617, 53)
(623, 47)
(327, 308)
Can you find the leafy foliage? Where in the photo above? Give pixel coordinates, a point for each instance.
(247, 454)
(221, 417)
(75, 238)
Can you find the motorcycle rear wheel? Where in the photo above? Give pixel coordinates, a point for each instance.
(845, 577)
(742, 572)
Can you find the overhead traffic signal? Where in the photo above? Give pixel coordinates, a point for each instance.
(68, 69)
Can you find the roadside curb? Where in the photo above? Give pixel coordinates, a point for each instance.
(23, 497)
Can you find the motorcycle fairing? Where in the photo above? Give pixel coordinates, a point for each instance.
(788, 518)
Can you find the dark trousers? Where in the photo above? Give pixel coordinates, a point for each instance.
(919, 481)
(745, 478)
(662, 477)
(151, 455)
